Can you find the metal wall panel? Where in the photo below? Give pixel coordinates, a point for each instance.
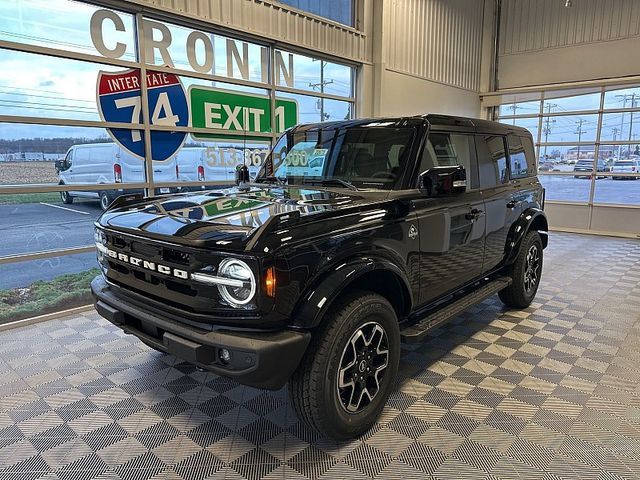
(440, 40)
(272, 20)
(530, 25)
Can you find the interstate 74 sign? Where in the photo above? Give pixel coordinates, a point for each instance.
(119, 100)
(238, 113)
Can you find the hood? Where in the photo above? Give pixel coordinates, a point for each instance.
(228, 218)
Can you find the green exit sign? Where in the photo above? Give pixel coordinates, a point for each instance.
(238, 113)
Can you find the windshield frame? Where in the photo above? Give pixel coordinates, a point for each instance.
(407, 158)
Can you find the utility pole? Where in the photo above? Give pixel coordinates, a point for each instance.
(615, 131)
(547, 127)
(625, 97)
(633, 104)
(579, 132)
(321, 84)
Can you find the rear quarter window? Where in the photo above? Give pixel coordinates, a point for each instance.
(521, 156)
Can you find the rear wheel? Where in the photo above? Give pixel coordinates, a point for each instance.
(105, 200)
(66, 198)
(344, 381)
(525, 273)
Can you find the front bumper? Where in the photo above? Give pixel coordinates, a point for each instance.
(258, 359)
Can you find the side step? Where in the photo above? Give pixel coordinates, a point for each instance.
(416, 332)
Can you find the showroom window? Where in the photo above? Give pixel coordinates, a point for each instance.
(341, 11)
(587, 143)
(75, 113)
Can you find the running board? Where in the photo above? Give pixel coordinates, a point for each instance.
(416, 332)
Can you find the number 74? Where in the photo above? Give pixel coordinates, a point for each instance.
(162, 106)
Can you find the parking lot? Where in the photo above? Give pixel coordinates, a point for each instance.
(568, 188)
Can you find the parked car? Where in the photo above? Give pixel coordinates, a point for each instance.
(587, 166)
(626, 166)
(105, 164)
(211, 165)
(316, 279)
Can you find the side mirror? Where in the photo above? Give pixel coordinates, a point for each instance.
(242, 174)
(439, 181)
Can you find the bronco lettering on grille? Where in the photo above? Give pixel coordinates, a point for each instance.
(147, 265)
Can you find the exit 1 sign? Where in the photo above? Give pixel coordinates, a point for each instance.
(238, 113)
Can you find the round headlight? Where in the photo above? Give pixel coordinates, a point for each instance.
(242, 285)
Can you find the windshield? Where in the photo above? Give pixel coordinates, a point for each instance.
(357, 157)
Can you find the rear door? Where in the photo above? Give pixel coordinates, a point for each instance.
(509, 187)
(496, 192)
(451, 228)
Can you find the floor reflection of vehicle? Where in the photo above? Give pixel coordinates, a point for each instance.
(213, 164)
(586, 166)
(107, 164)
(626, 166)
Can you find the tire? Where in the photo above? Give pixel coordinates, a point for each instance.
(105, 200)
(66, 198)
(337, 349)
(525, 273)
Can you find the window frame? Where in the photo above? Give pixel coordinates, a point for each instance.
(473, 164)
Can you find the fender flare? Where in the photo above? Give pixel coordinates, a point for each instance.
(520, 228)
(317, 299)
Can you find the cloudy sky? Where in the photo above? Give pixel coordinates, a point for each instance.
(37, 85)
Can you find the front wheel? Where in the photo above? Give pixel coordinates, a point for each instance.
(525, 273)
(343, 383)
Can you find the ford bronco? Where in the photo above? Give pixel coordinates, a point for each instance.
(354, 237)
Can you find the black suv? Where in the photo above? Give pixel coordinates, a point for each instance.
(354, 236)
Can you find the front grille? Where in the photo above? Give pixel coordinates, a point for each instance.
(164, 289)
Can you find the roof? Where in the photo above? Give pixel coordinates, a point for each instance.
(436, 121)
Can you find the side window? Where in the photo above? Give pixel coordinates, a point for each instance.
(492, 160)
(450, 149)
(519, 161)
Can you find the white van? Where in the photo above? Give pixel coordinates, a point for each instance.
(215, 164)
(108, 163)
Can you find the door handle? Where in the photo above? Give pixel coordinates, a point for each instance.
(511, 204)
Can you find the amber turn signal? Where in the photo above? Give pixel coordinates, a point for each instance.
(270, 282)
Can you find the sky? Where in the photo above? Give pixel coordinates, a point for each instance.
(64, 88)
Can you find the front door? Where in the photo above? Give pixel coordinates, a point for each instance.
(451, 228)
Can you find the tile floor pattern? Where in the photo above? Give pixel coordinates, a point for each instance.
(547, 393)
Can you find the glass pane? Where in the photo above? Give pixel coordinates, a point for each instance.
(213, 163)
(621, 190)
(622, 98)
(69, 155)
(563, 158)
(562, 187)
(202, 52)
(338, 10)
(314, 109)
(313, 74)
(35, 222)
(623, 126)
(66, 25)
(569, 128)
(520, 108)
(589, 101)
(530, 124)
(57, 88)
(36, 287)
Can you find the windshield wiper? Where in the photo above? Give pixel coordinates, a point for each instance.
(270, 178)
(329, 181)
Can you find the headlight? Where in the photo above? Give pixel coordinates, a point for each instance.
(101, 242)
(241, 287)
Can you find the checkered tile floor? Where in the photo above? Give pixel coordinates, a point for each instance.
(547, 393)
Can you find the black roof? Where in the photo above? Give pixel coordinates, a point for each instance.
(436, 121)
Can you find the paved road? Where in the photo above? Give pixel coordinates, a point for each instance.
(33, 227)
